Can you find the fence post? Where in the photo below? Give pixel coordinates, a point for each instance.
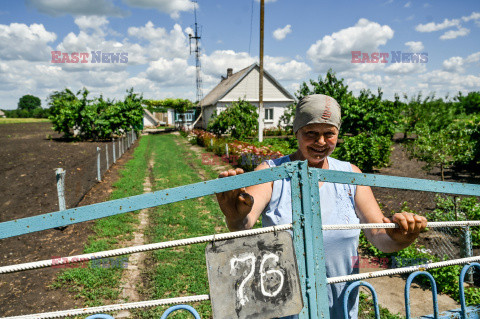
(468, 252)
(99, 176)
(106, 154)
(128, 139)
(226, 150)
(60, 173)
(113, 153)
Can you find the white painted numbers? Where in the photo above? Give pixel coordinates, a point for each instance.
(270, 275)
(254, 278)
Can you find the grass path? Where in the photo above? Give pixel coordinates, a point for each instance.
(180, 271)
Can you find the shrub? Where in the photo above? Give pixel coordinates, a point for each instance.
(239, 119)
(365, 151)
(94, 118)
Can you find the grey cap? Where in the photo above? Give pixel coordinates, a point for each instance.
(317, 108)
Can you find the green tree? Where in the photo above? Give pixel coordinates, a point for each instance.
(240, 119)
(442, 148)
(29, 103)
(470, 104)
(97, 118)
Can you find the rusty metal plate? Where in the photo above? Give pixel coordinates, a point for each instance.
(254, 277)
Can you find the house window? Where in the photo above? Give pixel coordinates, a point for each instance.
(268, 115)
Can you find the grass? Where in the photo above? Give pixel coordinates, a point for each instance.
(367, 311)
(4, 120)
(180, 271)
(97, 285)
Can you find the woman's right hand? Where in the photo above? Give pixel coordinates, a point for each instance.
(235, 204)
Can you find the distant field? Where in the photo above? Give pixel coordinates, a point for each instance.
(22, 120)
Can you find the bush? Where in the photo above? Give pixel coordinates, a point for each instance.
(239, 119)
(94, 118)
(365, 151)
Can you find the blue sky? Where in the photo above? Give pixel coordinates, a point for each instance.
(303, 39)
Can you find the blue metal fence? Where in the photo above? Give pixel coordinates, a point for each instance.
(307, 221)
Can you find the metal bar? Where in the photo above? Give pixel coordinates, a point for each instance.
(60, 174)
(349, 290)
(314, 225)
(298, 223)
(129, 204)
(99, 175)
(407, 292)
(332, 176)
(461, 291)
(468, 251)
(181, 307)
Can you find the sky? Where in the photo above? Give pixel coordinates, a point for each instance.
(303, 40)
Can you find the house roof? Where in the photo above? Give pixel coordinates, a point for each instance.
(227, 84)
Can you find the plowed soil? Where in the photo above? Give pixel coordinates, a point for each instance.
(29, 155)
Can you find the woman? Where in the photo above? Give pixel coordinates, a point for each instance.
(316, 127)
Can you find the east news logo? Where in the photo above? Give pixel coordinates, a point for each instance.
(83, 57)
(382, 57)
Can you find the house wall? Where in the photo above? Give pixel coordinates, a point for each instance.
(247, 89)
(278, 110)
(147, 122)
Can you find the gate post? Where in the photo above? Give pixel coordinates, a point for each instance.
(308, 240)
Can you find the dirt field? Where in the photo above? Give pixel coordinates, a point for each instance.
(29, 155)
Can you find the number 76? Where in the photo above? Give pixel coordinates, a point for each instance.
(249, 258)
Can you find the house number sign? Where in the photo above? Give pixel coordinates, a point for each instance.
(254, 277)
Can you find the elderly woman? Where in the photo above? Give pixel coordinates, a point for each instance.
(316, 127)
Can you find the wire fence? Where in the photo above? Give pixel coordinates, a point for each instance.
(77, 182)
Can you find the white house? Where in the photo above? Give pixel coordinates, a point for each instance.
(2, 114)
(244, 85)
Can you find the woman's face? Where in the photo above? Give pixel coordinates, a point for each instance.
(317, 141)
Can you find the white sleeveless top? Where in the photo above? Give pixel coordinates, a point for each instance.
(337, 203)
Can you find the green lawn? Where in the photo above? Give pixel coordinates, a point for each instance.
(4, 120)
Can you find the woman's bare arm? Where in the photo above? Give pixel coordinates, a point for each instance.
(390, 239)
(242, 207)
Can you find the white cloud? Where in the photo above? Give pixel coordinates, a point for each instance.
(453, 34)
(217, 63)
(281, 33)
(335, 50)
(450, 82)
(163, 43)
(415, 46)
(432, 26)
(473, 16)
(75, 7)
(171, 7)
(19, 41)
(171, 72)
(457, 64)
(454, 64)
(408, 4)
(96, 23)
(285, 69)
(405, 68)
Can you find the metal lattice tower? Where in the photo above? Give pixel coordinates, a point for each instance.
(197, 36)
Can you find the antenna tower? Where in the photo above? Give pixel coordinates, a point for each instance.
(197, 36)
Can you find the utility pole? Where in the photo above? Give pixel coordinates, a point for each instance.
(260, 84)
(197, 36)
